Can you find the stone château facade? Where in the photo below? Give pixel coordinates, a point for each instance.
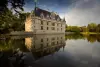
(43, 22)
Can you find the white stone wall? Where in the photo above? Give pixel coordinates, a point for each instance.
(28, 24)
(33, 24)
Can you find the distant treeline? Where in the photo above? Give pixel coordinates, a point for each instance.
(92, 27)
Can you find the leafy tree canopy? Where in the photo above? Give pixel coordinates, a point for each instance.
(14, 4)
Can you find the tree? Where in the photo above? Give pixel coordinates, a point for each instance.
(15, 4)
(12, 22)
(98, 28)
(92, 27)
(68, 28)
(6, 19)
(73, 29)
(22, 18)
(83, 29)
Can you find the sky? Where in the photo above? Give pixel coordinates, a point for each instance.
(76, 12)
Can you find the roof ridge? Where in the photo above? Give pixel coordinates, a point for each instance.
(43, 9)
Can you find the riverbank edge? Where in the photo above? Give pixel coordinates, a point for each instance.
(88, 33)
(66, 33)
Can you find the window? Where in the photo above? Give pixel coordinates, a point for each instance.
(41, 45)
(47, 23)
(61, 42)
(47, 28)
(41, 40)
(34, 46)
(41, 27)
(53, 24)
(42, 22)
(53, 38)
(53, 28)
(58, 19)
(53, 43)
(48, 17)
(47, 39)
(57, 42)
(47, 44)
(61, 29)
(61, 25)
(41, 15)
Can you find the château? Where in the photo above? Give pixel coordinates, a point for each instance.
(44, 22)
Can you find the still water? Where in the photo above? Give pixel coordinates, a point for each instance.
(50, 51)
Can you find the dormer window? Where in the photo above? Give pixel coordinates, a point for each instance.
(58, 19)
(48, 17)
(41, 15)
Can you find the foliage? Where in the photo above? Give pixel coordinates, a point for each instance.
(73, 29)
(92, 27)
(98, 28)
(12, 22)
(6, 19)
(90, 38)
(10, 44)
(74, 36)
(14, 4)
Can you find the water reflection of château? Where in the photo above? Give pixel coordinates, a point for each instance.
(42, 45)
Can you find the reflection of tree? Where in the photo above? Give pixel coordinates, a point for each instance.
(98, 38)
(92, 27)
(5, 45)
(98, 28)
(10, 44)
(74, 36)
(91, 38)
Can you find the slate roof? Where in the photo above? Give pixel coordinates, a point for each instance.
(45, 13)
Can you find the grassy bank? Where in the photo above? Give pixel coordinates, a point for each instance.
(87, 33)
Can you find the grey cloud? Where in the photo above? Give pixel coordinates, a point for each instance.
(84, 12)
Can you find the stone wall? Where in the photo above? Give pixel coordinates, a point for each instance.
(44, 26)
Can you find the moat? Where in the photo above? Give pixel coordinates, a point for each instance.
(50, 51)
